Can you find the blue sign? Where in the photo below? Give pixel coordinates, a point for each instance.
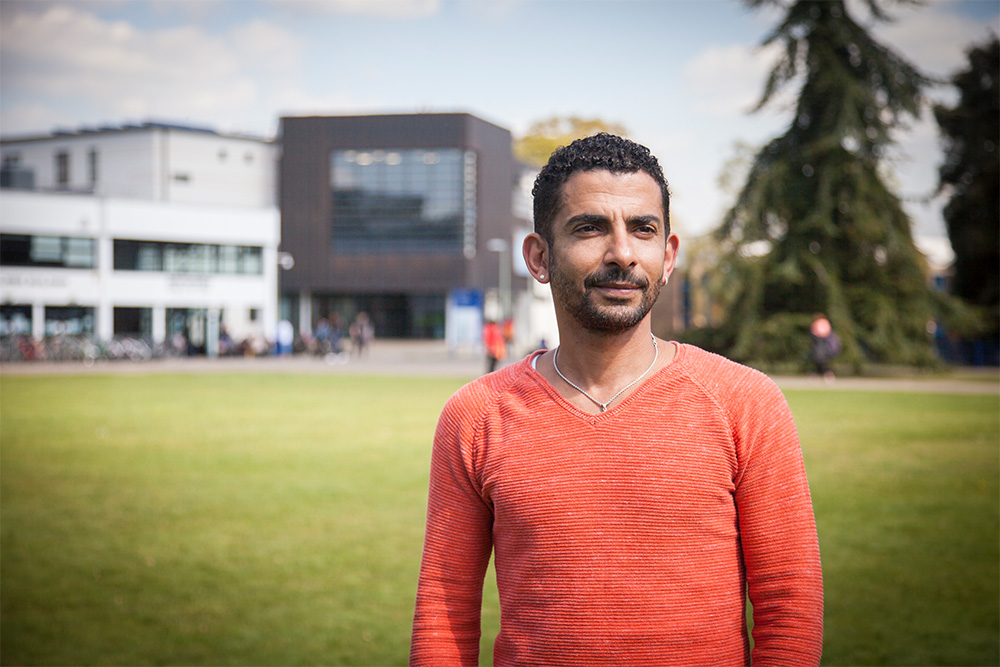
(466, 298)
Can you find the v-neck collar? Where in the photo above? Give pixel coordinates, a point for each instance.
(640, 388)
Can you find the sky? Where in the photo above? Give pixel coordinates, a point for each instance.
(680, 75)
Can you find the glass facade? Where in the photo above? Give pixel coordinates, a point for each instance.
(48, 251)
(394, 315)
(406, 200)
(187, 329)
(187, 257)
(69, 321)
(15, 320)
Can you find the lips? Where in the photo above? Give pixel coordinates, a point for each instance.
(618, 289)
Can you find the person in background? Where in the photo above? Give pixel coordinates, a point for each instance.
(632, 491)
(362, 333)
(336, 333)
(322, 334)
(286, 338)
(825, 346)
(496, 345)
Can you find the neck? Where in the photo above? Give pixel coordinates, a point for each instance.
(601, 361)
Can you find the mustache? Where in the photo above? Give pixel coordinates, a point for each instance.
(615, 274)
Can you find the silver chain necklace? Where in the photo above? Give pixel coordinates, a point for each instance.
(604, 406)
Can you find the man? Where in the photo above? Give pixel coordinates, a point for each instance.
(632, 490)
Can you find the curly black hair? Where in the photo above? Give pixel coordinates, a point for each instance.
(600, 151)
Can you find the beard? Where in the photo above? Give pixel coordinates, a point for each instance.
(608, 318)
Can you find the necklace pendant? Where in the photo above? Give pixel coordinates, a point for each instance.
(604, 406)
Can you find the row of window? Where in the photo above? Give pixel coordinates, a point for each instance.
(401, 200)
(16, 175)
(62, 168)
(129, 255)
(15, 320)
(187, 257)
(65, 320)
(48, 251)
(12, 166)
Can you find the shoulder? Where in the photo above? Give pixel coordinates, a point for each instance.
(758, 417)
(475, 399)
(732, 385)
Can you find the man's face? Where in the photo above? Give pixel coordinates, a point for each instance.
(609, 251)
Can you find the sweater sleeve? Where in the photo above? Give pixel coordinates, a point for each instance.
(457, 545)
(777, 529)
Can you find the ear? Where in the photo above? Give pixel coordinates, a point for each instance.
(670, 256)
(536, 257)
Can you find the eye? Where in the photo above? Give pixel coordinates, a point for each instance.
(587, 228)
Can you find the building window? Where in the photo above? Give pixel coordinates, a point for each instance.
(15, 320)
(48, 251)
(92, 166)
(402, 200)
(13, 174)
(62, 170)
(187, 257)
(134, 322)
(69, 321)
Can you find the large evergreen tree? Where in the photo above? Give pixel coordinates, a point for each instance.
(815, 227)
(971, 172)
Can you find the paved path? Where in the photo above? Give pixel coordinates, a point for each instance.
(433, 358)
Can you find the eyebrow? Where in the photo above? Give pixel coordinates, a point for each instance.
(597, 218)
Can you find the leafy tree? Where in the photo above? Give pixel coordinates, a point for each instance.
(545, 136)
(815, 228)
(971, 172)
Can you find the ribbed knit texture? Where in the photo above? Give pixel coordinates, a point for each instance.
(625, 538)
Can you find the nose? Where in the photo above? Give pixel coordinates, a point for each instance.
(619, 250)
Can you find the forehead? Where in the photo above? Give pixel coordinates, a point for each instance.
(599, 190)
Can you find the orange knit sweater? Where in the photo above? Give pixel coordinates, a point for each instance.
(625, 538)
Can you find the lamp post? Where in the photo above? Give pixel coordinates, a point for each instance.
(286, 262)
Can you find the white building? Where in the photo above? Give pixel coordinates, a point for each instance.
(533, 311)
(150, 231)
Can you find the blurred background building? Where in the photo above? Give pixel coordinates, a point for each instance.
(153, 231)
(194, 241)
(416, 220)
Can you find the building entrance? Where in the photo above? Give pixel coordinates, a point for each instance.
(187, 330)
(394, 315)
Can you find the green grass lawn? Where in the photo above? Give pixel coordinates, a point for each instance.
(278, 519)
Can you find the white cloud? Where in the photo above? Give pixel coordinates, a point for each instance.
(726, 81)
(397, 9)
(25, 119)
(494, 10)
(66, 53)
(262, 44)
(293, 101)
(934, 39)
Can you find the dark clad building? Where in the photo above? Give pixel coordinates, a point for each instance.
(390, 214)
